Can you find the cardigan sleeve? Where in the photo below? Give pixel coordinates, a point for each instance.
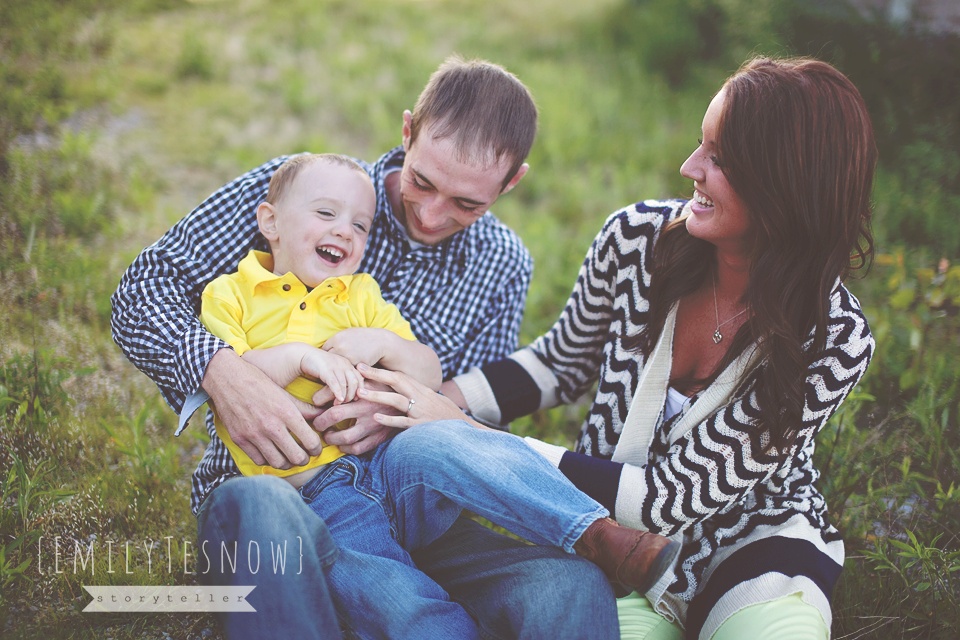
(564, 362)
(717, 463)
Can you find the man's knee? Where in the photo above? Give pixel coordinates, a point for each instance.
(264, 513)
(256, 507)
(254, 492)
(572, 580)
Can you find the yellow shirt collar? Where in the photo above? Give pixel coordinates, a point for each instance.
(257, 269)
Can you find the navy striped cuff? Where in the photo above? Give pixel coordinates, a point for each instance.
(596, 477)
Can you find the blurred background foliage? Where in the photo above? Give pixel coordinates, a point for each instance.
(116, 118)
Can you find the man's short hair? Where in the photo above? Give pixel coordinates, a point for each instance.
(482, 106)
(287, 172)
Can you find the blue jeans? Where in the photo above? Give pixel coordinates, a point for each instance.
(511, 589)
(293, 602)
(402, 497)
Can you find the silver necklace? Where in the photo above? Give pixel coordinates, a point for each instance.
(717, 336)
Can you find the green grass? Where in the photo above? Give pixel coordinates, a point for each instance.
(117, 118)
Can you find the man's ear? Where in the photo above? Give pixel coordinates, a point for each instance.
(407, 124)
(267, 221)
(522, 171)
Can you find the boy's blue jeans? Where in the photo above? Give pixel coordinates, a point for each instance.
(510, 589)
(404, 495)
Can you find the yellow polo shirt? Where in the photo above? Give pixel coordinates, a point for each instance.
(256, 309)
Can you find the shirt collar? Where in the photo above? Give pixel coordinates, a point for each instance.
(257, 269)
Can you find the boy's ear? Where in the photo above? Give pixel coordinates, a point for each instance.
(267, 221)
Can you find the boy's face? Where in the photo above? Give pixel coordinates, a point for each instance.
(319, 228)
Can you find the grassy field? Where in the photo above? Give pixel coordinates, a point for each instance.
(116, 118)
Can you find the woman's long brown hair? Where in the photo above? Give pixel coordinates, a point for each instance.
(796, 144)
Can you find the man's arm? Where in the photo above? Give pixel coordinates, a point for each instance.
(154, 321)
(156, 305)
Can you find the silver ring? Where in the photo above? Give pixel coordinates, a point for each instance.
(410, 406)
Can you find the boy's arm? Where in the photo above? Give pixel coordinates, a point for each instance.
(281, 363)
(373, 346)
(221, 312)
(284, 363)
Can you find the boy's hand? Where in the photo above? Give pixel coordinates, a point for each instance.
(361, 344)
(335, 371)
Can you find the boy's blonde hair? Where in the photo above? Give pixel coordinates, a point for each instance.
(287, 172)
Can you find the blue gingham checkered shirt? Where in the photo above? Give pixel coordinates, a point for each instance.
(463, 297)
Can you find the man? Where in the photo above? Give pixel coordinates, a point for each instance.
(456, 273)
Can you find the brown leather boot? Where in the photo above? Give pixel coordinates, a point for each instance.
(633, 558)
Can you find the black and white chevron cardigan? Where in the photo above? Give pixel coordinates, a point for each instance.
(712, 488)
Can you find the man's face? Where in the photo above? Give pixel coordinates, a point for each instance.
(439, 193)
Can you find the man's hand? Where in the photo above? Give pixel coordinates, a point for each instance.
(259, 416)
(365, 435)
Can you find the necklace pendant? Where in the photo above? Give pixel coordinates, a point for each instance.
(717, 337)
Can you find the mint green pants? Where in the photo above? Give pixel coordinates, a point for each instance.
(788, 618)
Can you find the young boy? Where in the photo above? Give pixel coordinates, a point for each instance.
(279, 310)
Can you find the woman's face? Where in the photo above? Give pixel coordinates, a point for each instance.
(718, 215)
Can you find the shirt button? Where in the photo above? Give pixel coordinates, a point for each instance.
(303, 305)
(286, 287)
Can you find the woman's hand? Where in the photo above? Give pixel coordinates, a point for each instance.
(416, 402)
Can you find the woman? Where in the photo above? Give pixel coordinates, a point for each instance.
(723, 340)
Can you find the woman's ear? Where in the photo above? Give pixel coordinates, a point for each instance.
(267, 221)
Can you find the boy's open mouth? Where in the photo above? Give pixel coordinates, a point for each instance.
(330, 254)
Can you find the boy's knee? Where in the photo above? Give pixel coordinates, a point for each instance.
(428, 446)
(431, 434)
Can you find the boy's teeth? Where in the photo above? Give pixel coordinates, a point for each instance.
(334, 253)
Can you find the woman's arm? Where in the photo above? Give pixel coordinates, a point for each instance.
(563, 363)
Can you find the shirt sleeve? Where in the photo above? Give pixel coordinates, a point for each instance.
(564, 362)
(497, 335)
(719, 461)
(156, 305)
(221, 314)
(380, 314)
